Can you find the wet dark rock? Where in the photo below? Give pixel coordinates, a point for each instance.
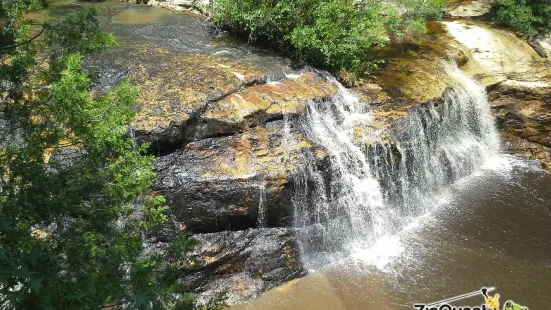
(538, 48)
(235, 182)
(244, 263)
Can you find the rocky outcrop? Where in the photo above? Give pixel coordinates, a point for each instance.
(244, 263)
(523, 114)
(235, 182)
(519, 83)
(229, 156)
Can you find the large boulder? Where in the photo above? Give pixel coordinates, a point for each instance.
(236, 182)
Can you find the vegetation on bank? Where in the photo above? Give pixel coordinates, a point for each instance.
(335, 34)
(75, 197)
(525, 16)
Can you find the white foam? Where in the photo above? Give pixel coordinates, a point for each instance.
(381, 254)
(293, 76)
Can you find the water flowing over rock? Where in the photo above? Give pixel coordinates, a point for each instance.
(379, 186)
(519, 82)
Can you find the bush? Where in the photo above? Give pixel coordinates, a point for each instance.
(335, 34)
(75, 190)
(525, 16)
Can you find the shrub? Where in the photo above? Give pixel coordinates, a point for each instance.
(525, 16)
(335, 34)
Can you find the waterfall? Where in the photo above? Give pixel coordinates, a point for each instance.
(373, 190)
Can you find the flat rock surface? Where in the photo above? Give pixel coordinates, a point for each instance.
(498, 55)
(258, 104)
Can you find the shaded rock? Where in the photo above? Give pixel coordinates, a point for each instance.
(244, 263)
(537, 46)
(544, 41)
(530, 150)
(256, 105)
(523, 114)
(235, 182)
(64, 158)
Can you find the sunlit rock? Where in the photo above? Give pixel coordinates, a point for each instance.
(498, 55)
(177, 89)
(477, 8)
(256, 105)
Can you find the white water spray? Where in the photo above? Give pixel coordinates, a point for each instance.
(372, 192)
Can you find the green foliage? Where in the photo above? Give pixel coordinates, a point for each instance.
(526, 16)
(336, 34)
(13, 6)
(340, 35)
(72, 229)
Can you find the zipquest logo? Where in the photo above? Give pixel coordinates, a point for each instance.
(492, 303)
(450, 307)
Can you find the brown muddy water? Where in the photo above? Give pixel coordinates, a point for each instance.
(492, 230)
(125, 13)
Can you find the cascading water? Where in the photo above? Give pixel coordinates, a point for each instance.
(371, 191)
